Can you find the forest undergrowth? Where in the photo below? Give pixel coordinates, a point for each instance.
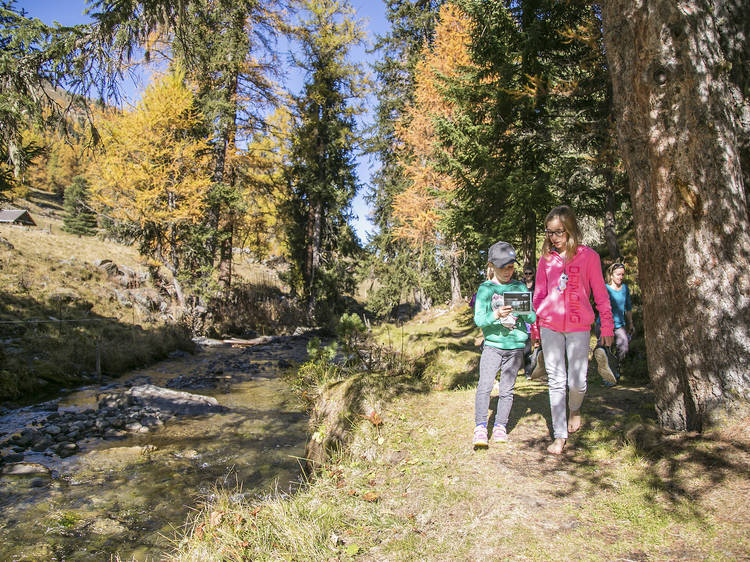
(409, 486)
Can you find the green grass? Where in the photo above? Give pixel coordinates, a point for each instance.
(413, 489)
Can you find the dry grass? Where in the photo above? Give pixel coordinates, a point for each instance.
(57, 308)
(45, 262)
(412, 488)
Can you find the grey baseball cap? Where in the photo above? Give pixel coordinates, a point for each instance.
(501, 254)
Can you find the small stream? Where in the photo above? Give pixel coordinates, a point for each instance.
(131, 496)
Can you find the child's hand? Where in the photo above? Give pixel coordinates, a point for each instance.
(503, 311)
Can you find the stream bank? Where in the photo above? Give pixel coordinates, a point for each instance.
(118, 468)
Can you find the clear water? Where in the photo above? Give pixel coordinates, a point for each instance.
(131, 497)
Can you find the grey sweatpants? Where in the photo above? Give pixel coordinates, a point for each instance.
(557, 346)
(508, 362)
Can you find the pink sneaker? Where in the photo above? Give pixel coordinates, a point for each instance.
(499, 435)
(480, 437)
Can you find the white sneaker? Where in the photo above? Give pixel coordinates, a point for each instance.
(499, 434)
(480, 437)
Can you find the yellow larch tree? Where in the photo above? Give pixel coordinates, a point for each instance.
(419, 209)
(153, 172)
(261, 168)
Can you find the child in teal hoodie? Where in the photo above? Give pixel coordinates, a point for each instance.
(504, 341)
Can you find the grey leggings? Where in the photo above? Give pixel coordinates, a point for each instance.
(557, 346)
(508, 362)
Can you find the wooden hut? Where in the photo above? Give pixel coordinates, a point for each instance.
(16, 216)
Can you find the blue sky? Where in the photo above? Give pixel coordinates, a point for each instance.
(372, 12)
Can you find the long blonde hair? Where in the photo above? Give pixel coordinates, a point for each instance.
(567, 217)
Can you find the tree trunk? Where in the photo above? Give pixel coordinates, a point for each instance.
(679, 116)
(610, 230)
(528, 241)
(225, 255)
(421, 299)
(456, 297)
(314, 240)
(226, 222)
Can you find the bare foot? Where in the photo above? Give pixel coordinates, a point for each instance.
(557, 447)
(574, 421)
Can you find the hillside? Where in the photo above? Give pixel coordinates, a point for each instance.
(74, 308)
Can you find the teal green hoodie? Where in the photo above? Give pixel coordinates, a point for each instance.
(495, 334)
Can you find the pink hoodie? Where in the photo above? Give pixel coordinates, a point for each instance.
(569, 310)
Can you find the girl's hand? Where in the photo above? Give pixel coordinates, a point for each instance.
(608, 340)
(503, 311)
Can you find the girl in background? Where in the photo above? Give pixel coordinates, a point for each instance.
(567, 274)
(622, 313)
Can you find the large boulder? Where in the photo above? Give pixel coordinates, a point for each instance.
(173, 401)
(109, 267)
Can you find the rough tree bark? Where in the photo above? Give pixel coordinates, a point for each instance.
(528, 240)
(312, 257)
(677, 70)
(610, 224)
(456, 297)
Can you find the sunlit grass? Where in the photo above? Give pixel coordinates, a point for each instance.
(413, 489)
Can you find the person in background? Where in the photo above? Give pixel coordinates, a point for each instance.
(532, 350)
(504, 339)
(622, 313)
(567, 274)
(528, 278)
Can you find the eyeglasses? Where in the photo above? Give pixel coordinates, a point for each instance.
(557, 233)
(618, 266)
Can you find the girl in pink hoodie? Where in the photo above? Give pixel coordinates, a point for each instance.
(567, 274)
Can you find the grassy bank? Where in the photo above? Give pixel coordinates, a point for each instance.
(64, 321)
(410, 487)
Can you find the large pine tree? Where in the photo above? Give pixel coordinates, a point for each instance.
(679, 71)
(322, 175)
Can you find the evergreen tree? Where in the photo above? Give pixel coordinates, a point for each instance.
(79, 218)
(322, 174)
(412, 24)
(507, 145)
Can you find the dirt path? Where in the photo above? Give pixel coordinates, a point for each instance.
(606, 498)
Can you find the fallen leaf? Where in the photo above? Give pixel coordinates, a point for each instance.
(352, 492)
(370, 497)
(215, 518)
(375, 418)
(199, 531)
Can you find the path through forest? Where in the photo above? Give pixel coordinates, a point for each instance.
(622, 490)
